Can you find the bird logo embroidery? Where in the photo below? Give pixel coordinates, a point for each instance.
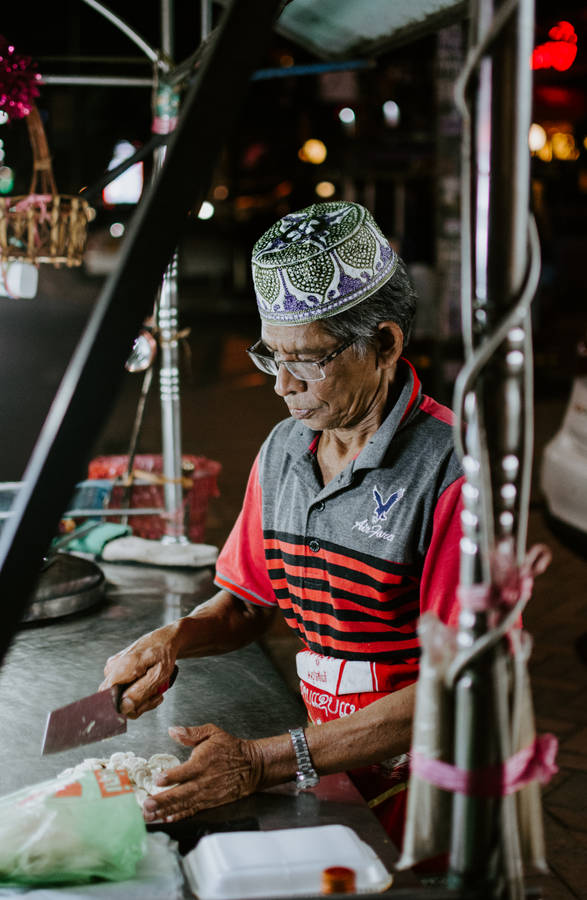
(382, 506)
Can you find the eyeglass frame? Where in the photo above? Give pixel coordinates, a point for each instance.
(257, 357)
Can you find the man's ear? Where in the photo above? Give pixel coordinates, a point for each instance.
(390, 344)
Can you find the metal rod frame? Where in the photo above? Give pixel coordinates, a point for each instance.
(183, 69)
(167, 78)
(103, 80)
(94, 375)
(133, 35)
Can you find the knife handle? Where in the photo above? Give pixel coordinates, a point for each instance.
(167, 684)
(121, 688)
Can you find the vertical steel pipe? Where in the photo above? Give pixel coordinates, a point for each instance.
(205, 18)
(169, 395)
(166, 110)
(497, 413)
(167, 100)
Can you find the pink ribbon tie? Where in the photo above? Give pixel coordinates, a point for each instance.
(534, 763)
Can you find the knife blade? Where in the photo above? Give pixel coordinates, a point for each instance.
(89, 720)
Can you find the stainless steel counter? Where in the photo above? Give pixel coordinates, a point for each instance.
(52, 664)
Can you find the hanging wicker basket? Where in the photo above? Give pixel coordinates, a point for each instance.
(42, 226)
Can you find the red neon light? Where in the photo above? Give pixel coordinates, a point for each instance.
(563, 31)
(558, 53)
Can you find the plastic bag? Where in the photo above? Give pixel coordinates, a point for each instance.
(72, 831)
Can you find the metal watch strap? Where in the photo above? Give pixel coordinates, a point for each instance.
(306, 775)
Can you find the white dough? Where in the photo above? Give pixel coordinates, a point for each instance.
(142, 773)
(141, 795)
(163, 761)
(91, 763)
(139, 773)
(120, 760)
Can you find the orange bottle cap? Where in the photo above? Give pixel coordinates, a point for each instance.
(338, 880)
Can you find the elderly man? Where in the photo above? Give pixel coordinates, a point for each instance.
(350, 525)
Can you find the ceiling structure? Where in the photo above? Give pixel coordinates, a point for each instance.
(335, 29)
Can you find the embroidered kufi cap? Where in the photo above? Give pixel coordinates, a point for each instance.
(318, 262)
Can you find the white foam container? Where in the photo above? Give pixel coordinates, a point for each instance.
(286, 862)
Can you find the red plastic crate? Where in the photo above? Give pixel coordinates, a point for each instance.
(195, 500)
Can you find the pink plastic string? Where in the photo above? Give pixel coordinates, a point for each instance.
(516, 585)
(39, 200)
(475, 597)
(534, 763)
(163, 124)
(35, 200)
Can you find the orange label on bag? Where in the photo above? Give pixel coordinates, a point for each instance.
(70, 790)
(113, 783)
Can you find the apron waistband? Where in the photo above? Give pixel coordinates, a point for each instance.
(352, 676)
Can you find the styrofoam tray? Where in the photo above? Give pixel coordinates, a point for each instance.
(285, 862)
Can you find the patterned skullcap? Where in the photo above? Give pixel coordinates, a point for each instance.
(318, 262)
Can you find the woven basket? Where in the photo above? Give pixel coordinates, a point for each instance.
(42, 226)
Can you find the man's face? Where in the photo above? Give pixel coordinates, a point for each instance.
(338, 401)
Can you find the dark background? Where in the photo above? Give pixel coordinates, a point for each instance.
(393, 170)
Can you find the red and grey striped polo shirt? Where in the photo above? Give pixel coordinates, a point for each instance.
(352, 564)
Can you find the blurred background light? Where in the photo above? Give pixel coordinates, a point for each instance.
(347, 115)
(6, 179)
(563, 145)
(559, 53)
(3, 117)
(536, 137)
(117, 229)
(206, 210)
(325, 189)
(391, 113)
(128, 187)
(313, 151)
(283, 189)
(220, 192)
(545, 152)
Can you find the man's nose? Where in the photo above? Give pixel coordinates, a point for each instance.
(286, 383)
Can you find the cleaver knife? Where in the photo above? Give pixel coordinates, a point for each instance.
(89, 720)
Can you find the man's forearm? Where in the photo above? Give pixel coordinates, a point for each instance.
(221, 624)
(377, 732)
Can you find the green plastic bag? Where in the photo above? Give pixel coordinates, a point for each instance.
(72, 831)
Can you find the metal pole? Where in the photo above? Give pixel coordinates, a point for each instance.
(149, 52)
(497, 441)
(169, 393)
(102, 80)
(167, 43)
(166, 108)
(165, 118)
(205, 18)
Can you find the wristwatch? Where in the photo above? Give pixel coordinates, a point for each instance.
(306, 775)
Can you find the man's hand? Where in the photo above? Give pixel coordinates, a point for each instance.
(221, 768)
(146, 668)
(220, 624)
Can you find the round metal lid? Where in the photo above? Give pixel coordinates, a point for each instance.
(68, 584)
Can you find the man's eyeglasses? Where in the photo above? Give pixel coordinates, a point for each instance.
(304, 371)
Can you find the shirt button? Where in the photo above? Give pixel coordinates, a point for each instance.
(314, 546)
(320, 505)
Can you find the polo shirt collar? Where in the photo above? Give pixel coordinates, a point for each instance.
(372, 455)
(405, 407)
